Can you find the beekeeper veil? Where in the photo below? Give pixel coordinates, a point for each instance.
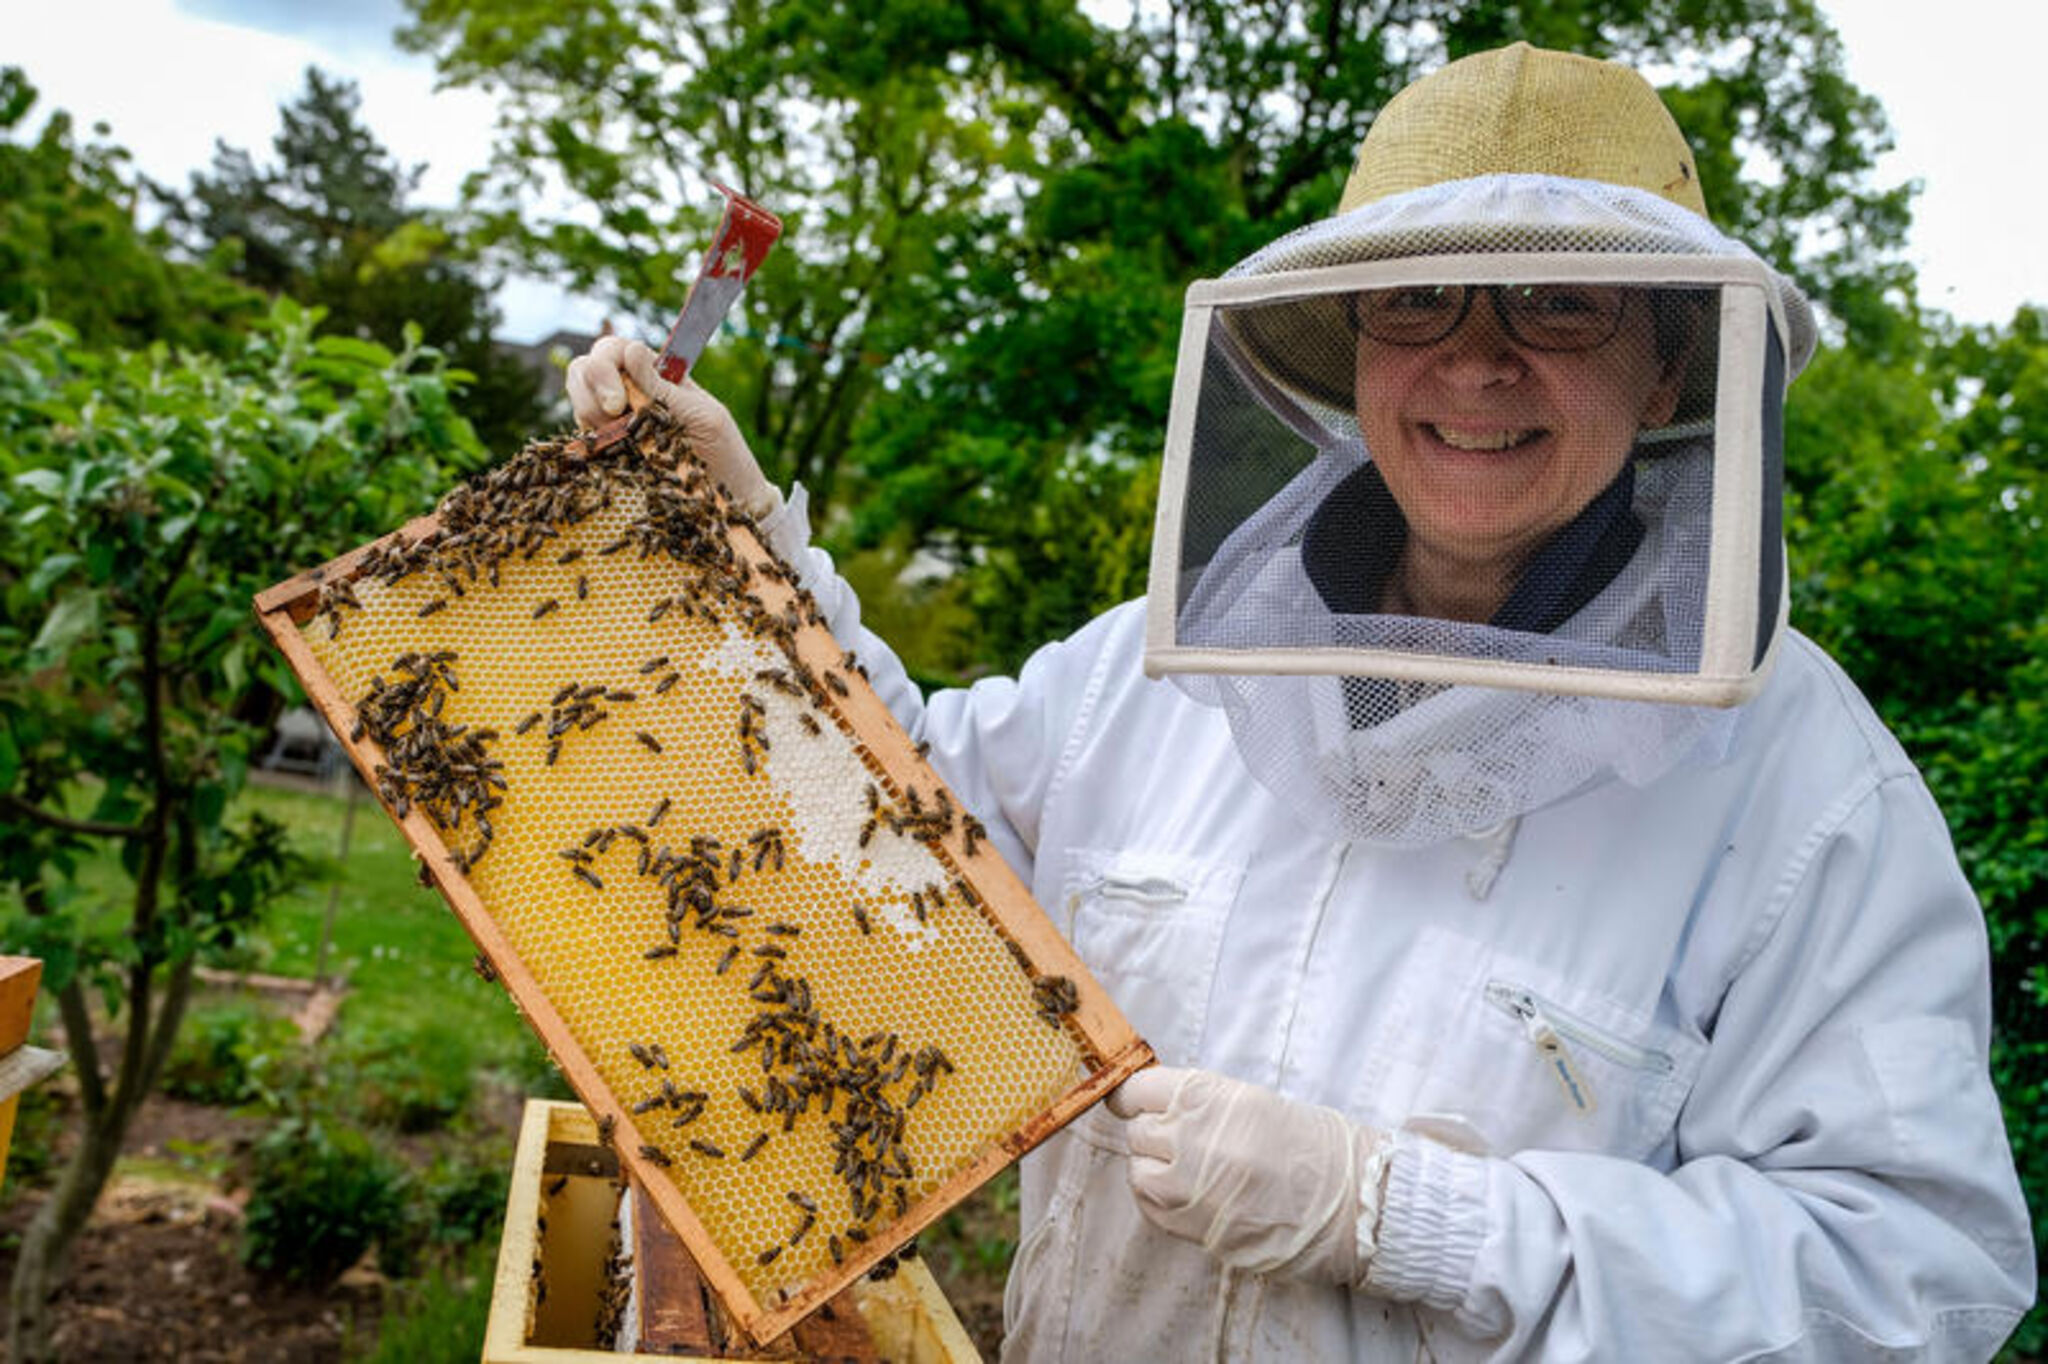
(1471, 493)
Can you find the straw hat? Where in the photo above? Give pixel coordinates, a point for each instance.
(1523, 109)
(1513, 149)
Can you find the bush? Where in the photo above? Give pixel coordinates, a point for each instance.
(412, 1081)
(320, 1196)
(439, 1319)
(231, 1054)
(466, 1191)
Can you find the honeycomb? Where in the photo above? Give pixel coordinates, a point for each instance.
(757, 939)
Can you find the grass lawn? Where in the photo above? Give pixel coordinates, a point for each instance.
(398, 947)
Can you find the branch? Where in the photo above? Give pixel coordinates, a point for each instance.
(1080, 98)
(85, 1053)
(169, 1015)
(30, 810)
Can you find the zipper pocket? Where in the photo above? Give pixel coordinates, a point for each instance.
(1146, 890)
(1550, 1027)
(1158, 890)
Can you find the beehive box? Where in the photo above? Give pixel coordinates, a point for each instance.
(550, 1304)
(808, 1003)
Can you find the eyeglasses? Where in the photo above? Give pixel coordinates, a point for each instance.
(1554, 317)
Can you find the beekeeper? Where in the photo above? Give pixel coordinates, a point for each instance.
(1550, 954)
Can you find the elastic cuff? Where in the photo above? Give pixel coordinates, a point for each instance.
(787, 526)
(1431, 1224)
(1377, 1150)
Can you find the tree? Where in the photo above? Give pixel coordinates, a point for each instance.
(69, 247)
(329, 225)
(995, 206)
(1915, 479)
(148, 495)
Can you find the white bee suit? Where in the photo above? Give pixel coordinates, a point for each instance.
(1688, 1070)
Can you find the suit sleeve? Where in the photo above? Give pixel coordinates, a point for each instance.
(1844, 1188)
(996, 743)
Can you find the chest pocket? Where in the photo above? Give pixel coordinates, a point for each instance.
(1150, 927)
(1502, 1054)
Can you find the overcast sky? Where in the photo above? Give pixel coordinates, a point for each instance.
(170, 76)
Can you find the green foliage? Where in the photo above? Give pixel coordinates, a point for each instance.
(993, 210)
(328, 225)
(415, 1080)
(440, 1318)
(231, 1054)
(466, 1191)
(1915, 480)
(69, 247)
(149, 496)
(320, 1195)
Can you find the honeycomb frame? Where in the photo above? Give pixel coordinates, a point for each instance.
(879, 880)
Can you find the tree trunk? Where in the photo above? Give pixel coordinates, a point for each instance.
(46, 1244)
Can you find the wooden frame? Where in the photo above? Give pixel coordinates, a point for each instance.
(1111, 1048)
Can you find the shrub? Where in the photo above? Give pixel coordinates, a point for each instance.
(412, 1081)
(320, 1196)
(439, 1319)
(466, 1192)
(231, 1054)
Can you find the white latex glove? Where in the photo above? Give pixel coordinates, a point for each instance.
(597, 394)
(1261, 1181)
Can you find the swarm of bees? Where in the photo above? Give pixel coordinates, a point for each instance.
(863, 1089)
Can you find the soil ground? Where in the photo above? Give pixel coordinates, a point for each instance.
(156, 1275)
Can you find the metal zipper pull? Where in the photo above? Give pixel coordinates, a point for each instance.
(1539, 1030)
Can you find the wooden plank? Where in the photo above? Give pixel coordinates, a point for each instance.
(677, 1316)
(674, 1315)
(1108, 1048)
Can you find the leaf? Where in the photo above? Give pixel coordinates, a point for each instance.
(75, 615)
(49, 571)
(350, 348)
(47, 482)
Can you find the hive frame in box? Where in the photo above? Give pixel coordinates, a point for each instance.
(907, 1315)
(1109, 1048)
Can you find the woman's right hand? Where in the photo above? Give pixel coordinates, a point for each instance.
(597, 393)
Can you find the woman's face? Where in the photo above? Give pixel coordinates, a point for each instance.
(1490, 445)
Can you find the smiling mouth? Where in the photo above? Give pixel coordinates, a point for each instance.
(1483, 441)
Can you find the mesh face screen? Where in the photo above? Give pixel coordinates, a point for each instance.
(1450, 537)
(773, 953)
(1510, 480)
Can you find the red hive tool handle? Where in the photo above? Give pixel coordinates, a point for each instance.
(745, 234)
